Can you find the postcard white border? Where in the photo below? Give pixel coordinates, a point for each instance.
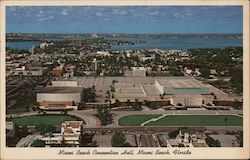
(197, 153)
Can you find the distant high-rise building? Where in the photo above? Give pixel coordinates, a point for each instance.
(44, 45)
(93, 35)
(32, 50)
(94, 64)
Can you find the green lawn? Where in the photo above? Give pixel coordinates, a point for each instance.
(198, 120)
(45, 119)
(182, 120)
(136, 120)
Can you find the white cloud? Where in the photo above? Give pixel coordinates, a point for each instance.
(189, 13)
(46, 18)
(154, 13)
(119, 12)
(179, 15)
(176, 15)
(40, 13)
(99, 14)
(64, 12)
(106, 19)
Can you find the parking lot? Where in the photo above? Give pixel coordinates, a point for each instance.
(104, 140)
(226, 140)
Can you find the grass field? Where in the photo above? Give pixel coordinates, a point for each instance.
(46, 120)
(183, 120)
(136, 120)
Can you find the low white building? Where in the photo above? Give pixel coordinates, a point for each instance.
(64, 83)
(190, 140)
(147, 58)
(44, 45)
(32, 71)
(70, 134)
(139, 71)
(194, 101)
(60, 98)
(188, 71)
(103, 53)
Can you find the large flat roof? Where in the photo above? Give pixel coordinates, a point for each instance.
(202, 90)
(62, 90)
(141, 86)
(181, 83)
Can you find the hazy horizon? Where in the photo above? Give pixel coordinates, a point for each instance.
(128, 33)
(125, 19)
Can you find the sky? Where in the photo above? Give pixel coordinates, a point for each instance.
(125, 19)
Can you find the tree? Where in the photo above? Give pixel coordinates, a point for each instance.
(29, 73)
(157, 58)
(108, 95)
(89, 94)
(237, 105)
(240, 138)
(43, 129)
(128, 102)
(114, 81)
(237, 79)
(112, 88)
(86, 140)
(161, 96)
(20, 74)
(153, 106)
(117, 103)
(137, 105)
(119, 140)
(73, 103)
(173, 134)
(205, 72)
(22, 131)
(104, 115)
(93, 88)
(211, 142)
(179, 104)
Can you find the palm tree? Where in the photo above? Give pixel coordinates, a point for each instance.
(113, 82)
(161, 96)
(20, 74)
(93, 88)
(108, 94)
(29, 73)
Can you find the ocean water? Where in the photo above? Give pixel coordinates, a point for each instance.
(179, 43)
(22, 44)
(160, 43)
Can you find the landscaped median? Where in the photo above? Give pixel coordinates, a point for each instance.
(182, 120)
(43, 119)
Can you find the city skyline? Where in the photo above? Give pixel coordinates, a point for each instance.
(125, 20)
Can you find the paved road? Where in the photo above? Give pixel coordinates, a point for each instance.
(22, 114)
(28, 140)
(87, 116)
(152, 129)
